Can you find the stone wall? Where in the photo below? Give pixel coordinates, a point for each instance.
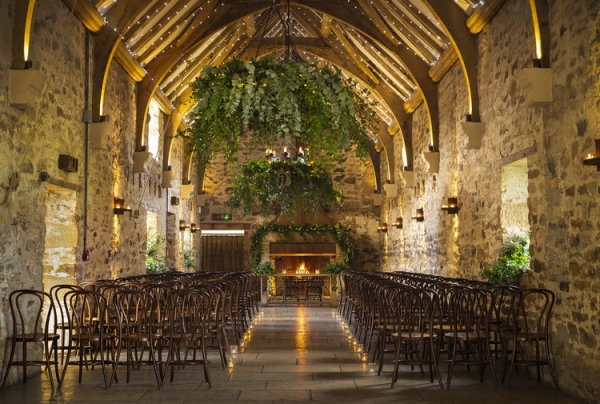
(31, 143)
(563, 202)
(355, 179)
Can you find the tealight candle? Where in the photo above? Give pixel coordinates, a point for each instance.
(234, 349)
(360, 348)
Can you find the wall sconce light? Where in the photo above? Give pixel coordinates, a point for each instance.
(182, 225)
(452, 207)
(594, 160)
(193, 228)
(119, 206)
(174, 200)
(382, 227)
(398, 223)
(420, 215)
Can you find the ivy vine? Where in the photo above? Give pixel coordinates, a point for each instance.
(277, 100)
(342, 234)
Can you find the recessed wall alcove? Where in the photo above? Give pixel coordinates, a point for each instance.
(61, 237)
(514, 214)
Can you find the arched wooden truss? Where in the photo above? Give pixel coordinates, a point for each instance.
(399, 49)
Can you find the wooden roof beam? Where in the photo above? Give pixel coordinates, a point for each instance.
(454, 20)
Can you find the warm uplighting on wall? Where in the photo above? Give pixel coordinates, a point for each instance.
(119, 206)
(383, 227)
(193, 227)
(594, 159)
(420, 215)
(398, 223)
(452, 206)
(183, 225)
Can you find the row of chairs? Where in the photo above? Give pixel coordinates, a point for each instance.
(417, 318)
(164, 322)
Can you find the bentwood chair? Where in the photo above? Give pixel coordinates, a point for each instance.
(388, 302)
(217, 322)
(31, 330)
(469, 333)
(58, 292)
(139, 343)
(188, 328)
(416, 337)
(88, 333)
(530, 316)
(502, 298)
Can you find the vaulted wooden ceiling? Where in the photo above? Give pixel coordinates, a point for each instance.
(398, 49)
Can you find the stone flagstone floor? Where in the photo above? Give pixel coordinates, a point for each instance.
(296, 354)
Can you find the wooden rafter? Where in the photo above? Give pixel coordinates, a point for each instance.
(352, 52)
(166, 23)
(367, 7)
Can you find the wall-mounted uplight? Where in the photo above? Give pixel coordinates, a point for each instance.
(594, 160)
(452, 207)
(420, 216)
(383, 227)
(119, 206)
(398, 223)
(193, 228)
(183, 225)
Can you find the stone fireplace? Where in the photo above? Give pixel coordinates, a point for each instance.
(301, 258)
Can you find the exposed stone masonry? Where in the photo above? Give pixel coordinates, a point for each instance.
(563, 195)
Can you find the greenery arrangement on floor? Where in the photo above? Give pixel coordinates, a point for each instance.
(281, 186)
(156, 261)
(264, 268)
(512, 263)
(275, 100)
(341, 233)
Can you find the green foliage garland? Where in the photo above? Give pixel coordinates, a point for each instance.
(280, 184)
(513, 262)
(275, 100)
(342, 234)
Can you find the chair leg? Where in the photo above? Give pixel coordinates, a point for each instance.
(10, 361)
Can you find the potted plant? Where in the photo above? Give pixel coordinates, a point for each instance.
(156, 261)
(512, 263)
(265, 268)
(334, 269)
(188, 262)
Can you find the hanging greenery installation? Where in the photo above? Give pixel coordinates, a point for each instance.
(281, 186)
(274, 100)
